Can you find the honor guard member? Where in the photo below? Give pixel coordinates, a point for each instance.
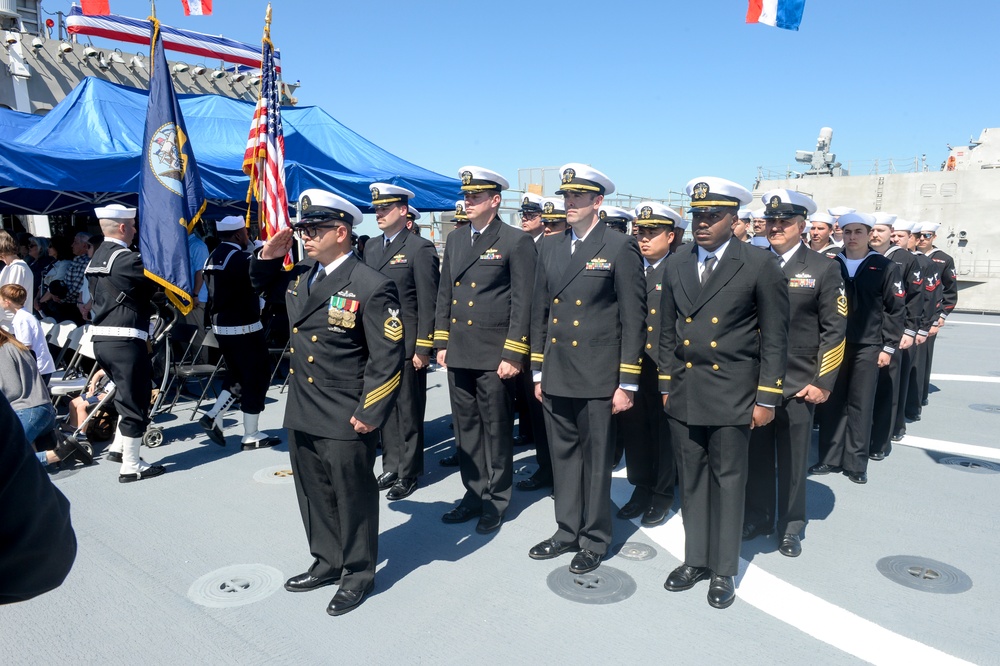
(947, 287)
(779, 451)
(122, 306)
(411, 262)
(587, 337)
(887, 391)
(821, 235)
(648, 454)
(723, 348)
(531, 422)
(346, 351)
(554, 215)
(234, 310)
(875, 298)
(481, 331)
(617, 218)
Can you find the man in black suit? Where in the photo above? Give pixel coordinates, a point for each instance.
(234, 309)
(649, 456)
(779, 451)
(346, 359)
(481, 331)
(723, 349)
(875, 297)
(587, 335)
(411, 262)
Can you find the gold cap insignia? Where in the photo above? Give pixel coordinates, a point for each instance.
(548, 208)
(459, 209)
(466, 177)
(775, 201)
(304, 204)
(602, 215)
(700, 191)
(646, 212)
(568, 176)
(375, 194)
(525, 201)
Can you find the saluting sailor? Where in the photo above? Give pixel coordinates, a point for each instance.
(481, 331)
(723, 350)
(122, 298)
(346, 349)
(411, 262)
(234, 308)
(587, 336)
(779, 450)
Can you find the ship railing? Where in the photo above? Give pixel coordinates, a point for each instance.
(977, 268)
(873, 167)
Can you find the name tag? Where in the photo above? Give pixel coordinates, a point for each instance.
(807, 283)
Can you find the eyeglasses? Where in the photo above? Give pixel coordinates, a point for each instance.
(312, 230)
(530, 216)
(926, 235)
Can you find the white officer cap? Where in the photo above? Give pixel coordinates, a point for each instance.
(856, 218)
(655, 214)
(553, 208)
(531, 202)
(820, 216)
(412, 213)
(745, 214)
(885, 219)
(578, 177)
(317, 204)
(928, 227)
(230, 223)
(386, 193)
(615, 214)
(478, 179)
(115, 212)
(902, 225)
(716, 195)
(460, 210)
(787, 203)
(837, 211)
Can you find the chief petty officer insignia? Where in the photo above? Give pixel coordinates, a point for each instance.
(549, 208)
(394, 326)
(342, 312)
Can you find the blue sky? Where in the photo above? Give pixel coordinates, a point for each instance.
(651, 93)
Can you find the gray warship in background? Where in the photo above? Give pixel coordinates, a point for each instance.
(963, 196)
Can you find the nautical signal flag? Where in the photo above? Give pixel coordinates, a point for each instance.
(171, 200)
(95, 7)
(197, 7)
(785, 14)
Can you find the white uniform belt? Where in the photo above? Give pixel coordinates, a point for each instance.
(119, 332)
(237, 330)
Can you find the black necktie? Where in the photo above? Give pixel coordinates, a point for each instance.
(649, 269)
(709, 266)
(385, 244)
(318, 276)
(475, 236)
(576, 244)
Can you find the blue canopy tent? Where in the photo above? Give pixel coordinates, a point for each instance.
(86, 152)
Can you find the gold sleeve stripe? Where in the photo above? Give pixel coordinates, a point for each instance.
(538, 357)
(768, 389)
(666, 377)
(630, 369)
(425, 343)
(440, 335)
(382, 391)
(838, 350)
(520, 347)
(630, 366)
(830, 365)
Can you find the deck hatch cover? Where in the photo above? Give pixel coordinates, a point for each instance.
(924, 574)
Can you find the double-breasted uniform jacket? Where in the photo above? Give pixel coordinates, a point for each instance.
(121, 292)
(948, 281)
(346, 345)
(654, 295)
(875, 302)
(231, 299)
(817, 321)
(411, 262)
(484, 300)
(724, 345)
(913, 283)
(588, 314)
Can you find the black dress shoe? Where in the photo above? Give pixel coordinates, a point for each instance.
(585, 561)
(899, 436)
(449, 461)
(306, 581)
(721, 592)
(684, 577)
(822, 468)
(857, 477)
(791, 545)
(924, 403)
(636, 505)
(402, 488)
(347, 600)
(535, 482)
(265, 443)
(148, 473)
(913, 417)
(213, 431)
(654, 516)
(876, 455)
(461, 514)
(550, 548)
(489, 524)
(386, 479)
(113, 456)
(752, 531)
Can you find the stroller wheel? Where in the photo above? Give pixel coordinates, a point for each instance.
(153, 437)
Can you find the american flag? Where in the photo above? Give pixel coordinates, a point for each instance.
(264, 159)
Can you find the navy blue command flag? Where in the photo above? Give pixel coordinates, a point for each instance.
(171, 199)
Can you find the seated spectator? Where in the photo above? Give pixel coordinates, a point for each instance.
(26, 328)
(24, 388)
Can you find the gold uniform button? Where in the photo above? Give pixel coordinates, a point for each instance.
(295, 330)
(576, 323)
(473, 285)
(687, 365)
(653, 311)
(458, 284)
(579, 302)
(715, 367)
(715, 320)
(310, 380)
(714, 343)
(553, 340)
(649, 346)
(555, 321)
(291, 371)
(454, 321)
(556, 301)
(574, 343)
(689, 320)
(291, 350)
(310, 359)
(687, 342)
(314, 338)
(469, 323)
(649, 328)
(454, 302)
(470, 304)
